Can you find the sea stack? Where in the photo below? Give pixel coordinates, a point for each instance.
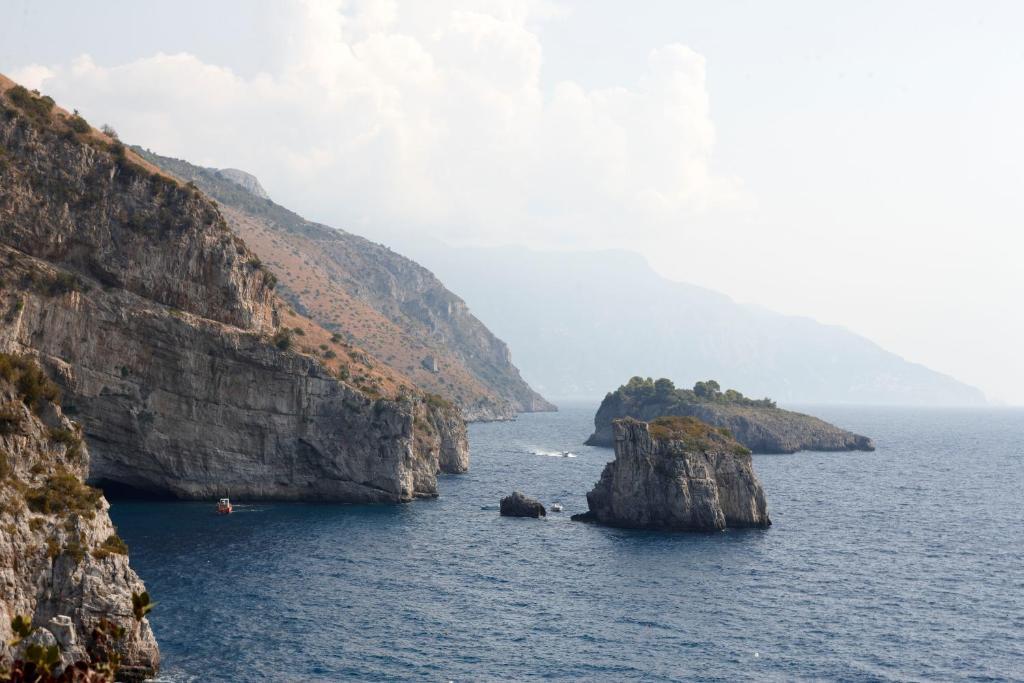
(677, 473)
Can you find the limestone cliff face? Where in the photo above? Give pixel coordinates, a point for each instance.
(691, 478)
(405, 314)
(59, 552)
(761, 429)
(156, 321)
(448, 431)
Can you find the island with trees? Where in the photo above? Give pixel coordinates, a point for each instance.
(758, 424)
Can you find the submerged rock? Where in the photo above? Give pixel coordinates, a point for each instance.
(518, 505)
(677, 473)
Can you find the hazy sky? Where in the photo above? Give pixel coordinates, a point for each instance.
(860, 163)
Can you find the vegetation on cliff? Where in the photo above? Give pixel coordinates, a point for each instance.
(758, 424)
(694, 434)
(68, 605)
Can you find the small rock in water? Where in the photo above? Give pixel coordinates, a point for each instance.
(518, 505)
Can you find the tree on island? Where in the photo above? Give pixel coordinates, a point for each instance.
(664, 390)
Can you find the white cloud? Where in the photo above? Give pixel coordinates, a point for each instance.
(32, 76)
(431, 117)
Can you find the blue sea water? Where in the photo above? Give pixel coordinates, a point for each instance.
(903, 564)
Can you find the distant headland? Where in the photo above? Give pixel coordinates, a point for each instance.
(758, 424)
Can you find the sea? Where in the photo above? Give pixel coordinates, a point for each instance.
(903, 564)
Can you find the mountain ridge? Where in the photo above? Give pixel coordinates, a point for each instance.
(377, 298)
(632, 320)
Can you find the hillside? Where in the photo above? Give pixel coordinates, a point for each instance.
(758, 424)
(167, 338)
(373, 297)
(607, 315)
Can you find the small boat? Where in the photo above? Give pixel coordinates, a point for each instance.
(556, 507)
(566, 454)
(224, 506)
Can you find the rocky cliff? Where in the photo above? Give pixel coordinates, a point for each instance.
(677, 473)
(162, 329)
(61, 561)
(376, 298)
(758, 425)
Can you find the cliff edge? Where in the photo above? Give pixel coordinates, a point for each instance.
(164, 333)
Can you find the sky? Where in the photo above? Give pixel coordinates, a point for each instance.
(858, 163)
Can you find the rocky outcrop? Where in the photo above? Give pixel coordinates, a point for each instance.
(761, 428)
(518, 505)
(381, 300)
(247, 181)
(679, 474)
(451, 440)
(61, 561)
(157, 322)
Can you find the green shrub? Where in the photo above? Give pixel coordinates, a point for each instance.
(31, 382)
(112, 546)
(59, 284)
(299, 331)
(269, 278)
(436, 401)
(64, 493)
(35, 106)
(78, 124)
(141, 604)
(71, 441)
(10, 419)
(75, 549)
(283, 340)
(693, 432)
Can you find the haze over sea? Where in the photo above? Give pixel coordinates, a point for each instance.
(902, 564)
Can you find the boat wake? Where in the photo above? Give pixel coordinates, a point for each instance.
(553, 454)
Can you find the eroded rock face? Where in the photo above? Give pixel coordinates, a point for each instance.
(176, 404)
(156, 321)
(452, 440)
(762, 430)
(518, 505)
(688, 476)
(59, 562)
(464, 361)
